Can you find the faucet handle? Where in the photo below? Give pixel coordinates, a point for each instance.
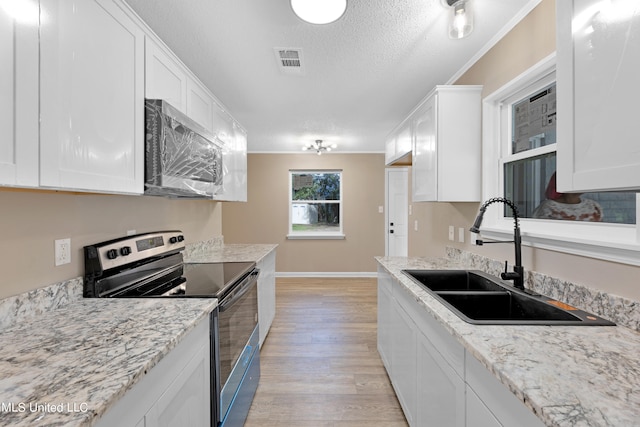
(506, 264)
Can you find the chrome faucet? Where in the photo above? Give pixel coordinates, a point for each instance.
(517, 275)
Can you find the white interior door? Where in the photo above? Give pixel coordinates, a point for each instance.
(397, 218)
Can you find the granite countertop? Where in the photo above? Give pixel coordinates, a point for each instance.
(68, 366)
(567, 375)
(228, 252)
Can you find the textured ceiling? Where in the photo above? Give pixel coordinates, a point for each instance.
(362, 74)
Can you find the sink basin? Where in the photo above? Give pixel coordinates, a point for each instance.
(479, 298)
(454, 280)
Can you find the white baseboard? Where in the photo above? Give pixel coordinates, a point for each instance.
(326, 274)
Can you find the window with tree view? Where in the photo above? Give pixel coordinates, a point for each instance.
(315, 203)
(529, 169)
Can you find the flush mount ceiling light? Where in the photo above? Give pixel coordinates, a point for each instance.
(319, 11)
(460, 18)
(319, 147)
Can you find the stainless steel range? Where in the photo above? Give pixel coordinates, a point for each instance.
(151, 266)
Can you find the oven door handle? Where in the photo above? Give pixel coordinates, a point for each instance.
(247, 283)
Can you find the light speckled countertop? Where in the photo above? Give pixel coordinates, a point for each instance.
(228, 252)
(66, 360)
(567, 375)
(87, 355)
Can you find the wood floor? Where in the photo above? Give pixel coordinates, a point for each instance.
(320, 366)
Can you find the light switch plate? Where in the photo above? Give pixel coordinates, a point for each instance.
(461, 235)
(451, 233)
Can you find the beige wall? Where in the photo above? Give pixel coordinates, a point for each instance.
(30, 221)
(265, 217)
(532, 40)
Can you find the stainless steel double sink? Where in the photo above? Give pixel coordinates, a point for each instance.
(483, 299)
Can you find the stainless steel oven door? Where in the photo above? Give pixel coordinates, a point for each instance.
(237, 321)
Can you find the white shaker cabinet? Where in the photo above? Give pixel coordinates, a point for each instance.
(165, 77)
(233, 139)
(266, 293)
(385, 310)
(200, 104)
(19, 100)
(91, 97)
(398, 145)
(446, 163)
(598, 90)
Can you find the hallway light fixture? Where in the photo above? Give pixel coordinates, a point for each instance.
(460, 18)
(319, 11)
(319, 147)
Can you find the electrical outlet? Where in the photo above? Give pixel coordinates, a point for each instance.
(461, 235)
(415, 225)
(451, 233)
(131, 232)
(380, 209)
(62, 251)
(472, 237)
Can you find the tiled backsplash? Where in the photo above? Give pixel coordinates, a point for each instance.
(623, 311)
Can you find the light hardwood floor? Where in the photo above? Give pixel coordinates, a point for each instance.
(319, 364)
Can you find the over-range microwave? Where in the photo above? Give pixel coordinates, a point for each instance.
(182, 159)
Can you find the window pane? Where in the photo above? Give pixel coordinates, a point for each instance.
(530, 184)
(321, 217)
(315, 186)
(534, 120)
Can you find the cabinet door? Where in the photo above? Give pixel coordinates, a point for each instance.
(425, 152)
(185, 402)
(598, 88)
(385, 316)
(91, 97)
(478, 415)
(234, 156)
(165, 78)
(266, 294)
(19, 99)
(403, 361)
(199, 104)
(441, 392)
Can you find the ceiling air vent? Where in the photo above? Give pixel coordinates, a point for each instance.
(289, 60)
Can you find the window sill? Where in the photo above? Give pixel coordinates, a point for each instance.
(316, 236)
(619, 244)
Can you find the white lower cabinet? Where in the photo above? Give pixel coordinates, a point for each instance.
(266, 293)
(498, 401)
(441, 391)
(385, 311)
(437, 382)
(404, 361)
(175, 393)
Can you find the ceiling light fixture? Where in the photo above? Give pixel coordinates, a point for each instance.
(319, 147)
(460, 18)
(319, 11)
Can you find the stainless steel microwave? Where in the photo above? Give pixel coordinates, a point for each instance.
(181, 158)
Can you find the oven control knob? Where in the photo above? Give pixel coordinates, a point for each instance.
(125, 250)
(173, 240)
(180, 238)
(112, 254)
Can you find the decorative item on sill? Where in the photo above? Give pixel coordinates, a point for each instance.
(319, 147)
(460, 18)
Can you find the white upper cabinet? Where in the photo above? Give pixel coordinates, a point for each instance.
(91, 97)
(19, 99)
(200, 104)
(598, 91)
(446, 160)
(165, 77)
(398, 145)
(233, 139)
